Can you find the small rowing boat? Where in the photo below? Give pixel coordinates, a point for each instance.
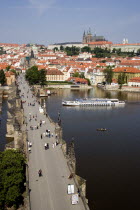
(101, 129)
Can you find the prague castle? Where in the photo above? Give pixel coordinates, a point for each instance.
(88, 37)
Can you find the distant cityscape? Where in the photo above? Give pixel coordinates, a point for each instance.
(62, 60)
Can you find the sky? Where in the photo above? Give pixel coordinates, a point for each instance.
(53, 21)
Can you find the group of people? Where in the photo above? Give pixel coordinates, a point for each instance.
(29, 146)
(39, 123)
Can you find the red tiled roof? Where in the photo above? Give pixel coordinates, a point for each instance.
(9, 45)
(126, 44)
(127, 70)
(100, 43)
(53, 72)
(9, 73)
(77, 79)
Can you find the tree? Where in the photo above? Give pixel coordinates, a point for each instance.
(138, 52)
(32, 75)
(89, 83)
(114, 50)
(76, 74)
(42, 77)
(2, 77)
(14, 71)
(61, 48)
(118, 51)
(122, 79)
(8, 68)
(12, 178)
(109, 74)
(86, 49)
(55, 49)
(82, 75)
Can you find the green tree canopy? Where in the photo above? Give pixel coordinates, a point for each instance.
(80, 75)
(8, 68)
(122, 79)
(42, 77)
(14, 71)
(61, 48)
(72, 50)
(55, 49)
(12, 178)
(2, 77)
(76, 74)
(34, 76)
(109, 74)
(138, 52)
(86, 49)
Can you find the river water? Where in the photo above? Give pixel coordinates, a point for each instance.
(3, 117)
(109, 161)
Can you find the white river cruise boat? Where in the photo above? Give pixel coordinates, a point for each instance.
(94, 102)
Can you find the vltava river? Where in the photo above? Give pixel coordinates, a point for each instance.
(3, 117)
(109, 161)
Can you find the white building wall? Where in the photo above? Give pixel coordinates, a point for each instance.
(135, 84)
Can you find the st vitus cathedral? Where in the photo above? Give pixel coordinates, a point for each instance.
(88, 37)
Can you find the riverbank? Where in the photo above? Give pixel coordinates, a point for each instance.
(123, 89)
(43, 91)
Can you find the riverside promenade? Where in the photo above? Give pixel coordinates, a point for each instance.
(48, 192)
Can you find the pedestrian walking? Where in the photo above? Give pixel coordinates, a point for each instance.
(29, 150)
(41, 136)
(56, 135)
(52, 134)
(53, 145)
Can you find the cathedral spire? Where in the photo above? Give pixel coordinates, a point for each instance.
(89, 30)
(84, 34)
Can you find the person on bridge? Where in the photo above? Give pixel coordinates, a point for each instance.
(40, 172)
(45, 146)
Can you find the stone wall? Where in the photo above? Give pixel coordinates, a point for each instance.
(15, 121)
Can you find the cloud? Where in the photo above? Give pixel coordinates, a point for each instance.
(41, 5)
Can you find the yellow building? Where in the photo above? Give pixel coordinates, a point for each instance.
(130, 72)
(54, 75)
(10, 77)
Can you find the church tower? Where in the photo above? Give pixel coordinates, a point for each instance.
(84, 38)
(89, 36)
